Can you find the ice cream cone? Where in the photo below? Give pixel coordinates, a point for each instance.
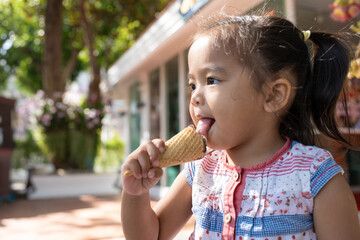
(184, 147)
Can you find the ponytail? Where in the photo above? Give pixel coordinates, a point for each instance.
(331, 60)
(321, 82)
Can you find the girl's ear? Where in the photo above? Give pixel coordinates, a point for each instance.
(277, 95)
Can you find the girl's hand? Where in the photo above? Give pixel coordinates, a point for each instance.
(143, 162)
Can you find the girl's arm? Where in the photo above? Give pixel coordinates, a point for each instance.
(170, 215)
(335, 212)
(139, 220)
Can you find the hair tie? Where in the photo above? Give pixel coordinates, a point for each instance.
(306, 35)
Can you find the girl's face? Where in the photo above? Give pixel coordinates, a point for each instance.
(222, 96)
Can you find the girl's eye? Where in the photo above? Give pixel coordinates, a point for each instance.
(192, 86)
(212, 81)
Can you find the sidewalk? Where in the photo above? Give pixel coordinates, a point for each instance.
(75, 218)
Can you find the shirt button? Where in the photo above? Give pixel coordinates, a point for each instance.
(228, 218)
(236, 176)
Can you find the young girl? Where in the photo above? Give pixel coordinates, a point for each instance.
(257, 96)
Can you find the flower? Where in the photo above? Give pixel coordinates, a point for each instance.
(86, 118)
(345, 10)
(339, 13)
(61, 115)
(52, 115)
(306, 195)
(353, 10)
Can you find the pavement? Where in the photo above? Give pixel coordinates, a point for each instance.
(85, 217)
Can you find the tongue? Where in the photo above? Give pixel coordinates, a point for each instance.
(204, 125)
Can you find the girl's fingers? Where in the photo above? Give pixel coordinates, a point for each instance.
(155, 173)
(144, 162)
(146, 156)
(154, 153)
(134, 167)
(160, 145)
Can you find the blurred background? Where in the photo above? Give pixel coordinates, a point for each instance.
(83, 83)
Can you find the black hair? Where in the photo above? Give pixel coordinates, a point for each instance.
(272, 46)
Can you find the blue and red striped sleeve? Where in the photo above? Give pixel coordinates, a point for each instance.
(323, 169)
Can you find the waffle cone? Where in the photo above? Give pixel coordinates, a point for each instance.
(184, 147)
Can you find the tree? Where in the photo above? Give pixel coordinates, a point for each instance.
(52, 73)
(21, 43)
(106, 32)
(45, 43)
(94, 90)
(27, 44)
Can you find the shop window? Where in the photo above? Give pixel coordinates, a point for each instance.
(135, 117)
(188, 117)
(172, 90)
(172, 93)
(155, 104)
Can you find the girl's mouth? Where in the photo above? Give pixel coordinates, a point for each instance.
(204, 125)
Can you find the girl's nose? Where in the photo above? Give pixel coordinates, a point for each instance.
(197, 97)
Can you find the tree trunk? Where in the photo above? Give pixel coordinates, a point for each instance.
(94, 89)
(53, 81)
(69, 67)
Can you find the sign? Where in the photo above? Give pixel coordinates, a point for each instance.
(190, 7)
